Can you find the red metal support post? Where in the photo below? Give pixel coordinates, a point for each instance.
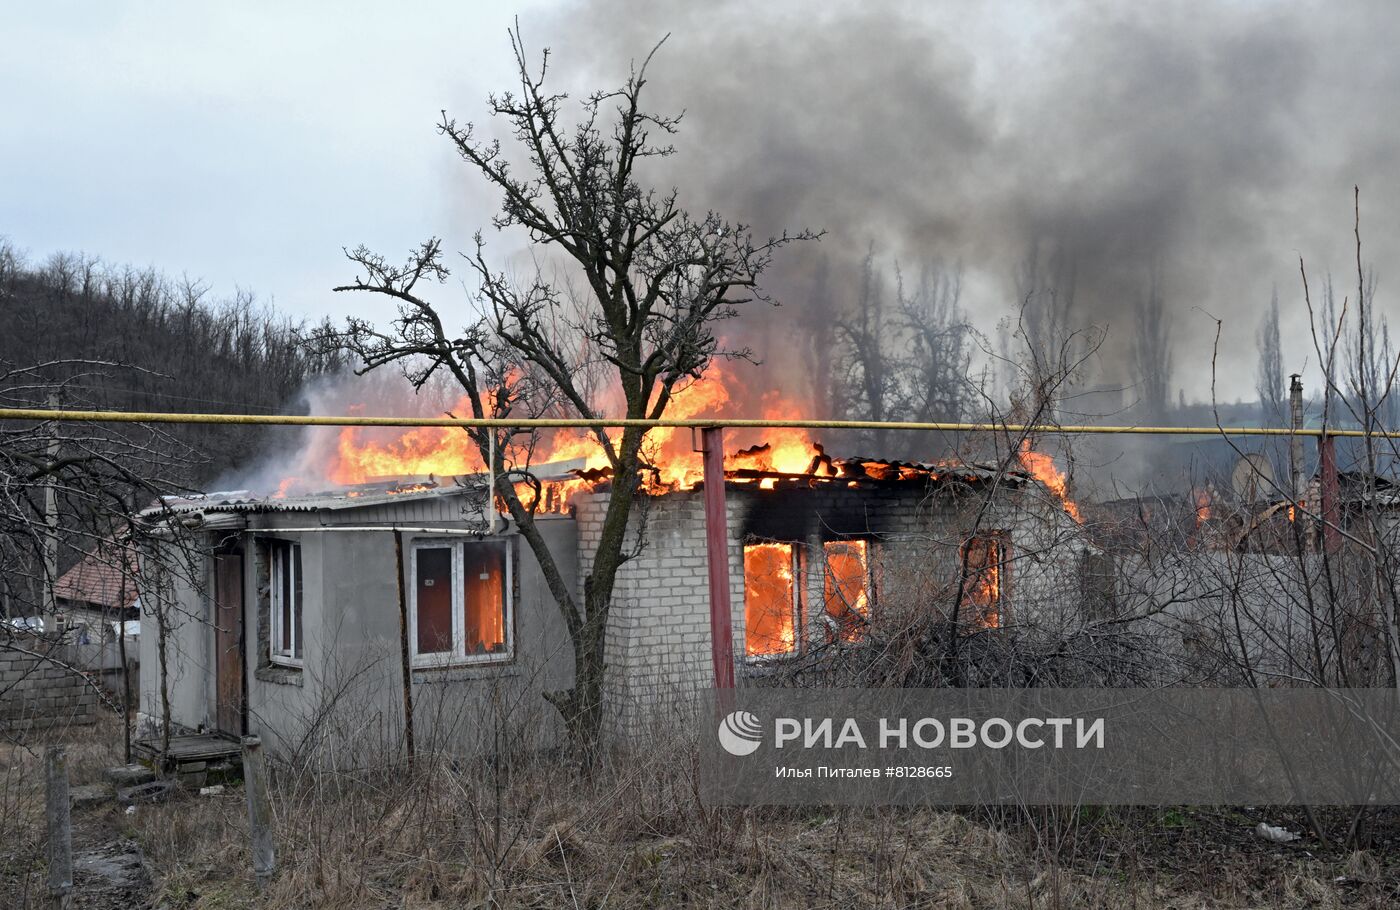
(717, 553)
(1330, 492)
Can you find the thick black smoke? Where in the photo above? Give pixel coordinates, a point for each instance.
(1206, 144)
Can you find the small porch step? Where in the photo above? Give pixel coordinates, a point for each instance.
(190, 753)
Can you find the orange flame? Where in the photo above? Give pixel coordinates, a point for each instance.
(983, 556)
(1042, 468)
(364, 455)
(367, 454)
(846, 587)
(770, 604)
(1203, 507)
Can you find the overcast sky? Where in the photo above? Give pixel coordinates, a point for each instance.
(245, 144)
(241, 143)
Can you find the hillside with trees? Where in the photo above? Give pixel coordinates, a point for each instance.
(89, 334)
(77, 333)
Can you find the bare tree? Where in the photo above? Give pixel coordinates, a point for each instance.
(66, 494)
(169, 344)
(938, 347)
(818, 322)
(1292, 594)
(1152, 353)
(910, 363)
(867, 385)
(655, 282)
(1045, 292)
(1268, 380)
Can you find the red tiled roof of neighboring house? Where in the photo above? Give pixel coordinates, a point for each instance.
(99, 580)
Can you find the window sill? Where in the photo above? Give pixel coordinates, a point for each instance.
(276, 673)
(764, 665)
(445, 673)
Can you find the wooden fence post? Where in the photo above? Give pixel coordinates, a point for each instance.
(259, 811)
(60, 828)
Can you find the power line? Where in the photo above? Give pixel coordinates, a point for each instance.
(530, 423)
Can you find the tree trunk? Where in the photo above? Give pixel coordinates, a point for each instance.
(582, 704)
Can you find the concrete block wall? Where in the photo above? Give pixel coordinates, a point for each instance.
(35, 691)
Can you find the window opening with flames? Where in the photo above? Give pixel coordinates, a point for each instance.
(772, 607)
(847, 587)
(984, 558)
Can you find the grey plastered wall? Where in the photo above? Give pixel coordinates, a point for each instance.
(175, 585)
(346, 705)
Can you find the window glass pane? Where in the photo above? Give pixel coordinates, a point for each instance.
(847, 586)
(433, 591)
(284, 597)
(298, 600)
(769, 599)
(484, 603)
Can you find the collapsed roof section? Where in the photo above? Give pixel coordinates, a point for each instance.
(749, 468)
(753, 465)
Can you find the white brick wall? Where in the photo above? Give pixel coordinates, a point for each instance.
(658, 635)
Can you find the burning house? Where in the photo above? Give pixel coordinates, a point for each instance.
(815, 557)
(333, 618)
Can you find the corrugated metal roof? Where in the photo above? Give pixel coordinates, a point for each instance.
(357, 496)
(248, 502)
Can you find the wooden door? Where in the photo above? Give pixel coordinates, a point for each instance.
(228, 642)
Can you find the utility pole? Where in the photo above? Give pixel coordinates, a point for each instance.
(717, 555)
(50, 601)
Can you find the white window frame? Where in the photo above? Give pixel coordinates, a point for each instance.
(285, 658)
(457, 656)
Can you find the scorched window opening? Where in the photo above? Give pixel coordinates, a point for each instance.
(985, 559)
(772, 602)
(287, 602)
(846, 588)
(461, 602)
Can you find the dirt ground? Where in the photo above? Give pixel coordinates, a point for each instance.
(108, 868)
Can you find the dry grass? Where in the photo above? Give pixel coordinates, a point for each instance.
(528, 832)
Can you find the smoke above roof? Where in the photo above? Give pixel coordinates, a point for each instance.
(1197, 148)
